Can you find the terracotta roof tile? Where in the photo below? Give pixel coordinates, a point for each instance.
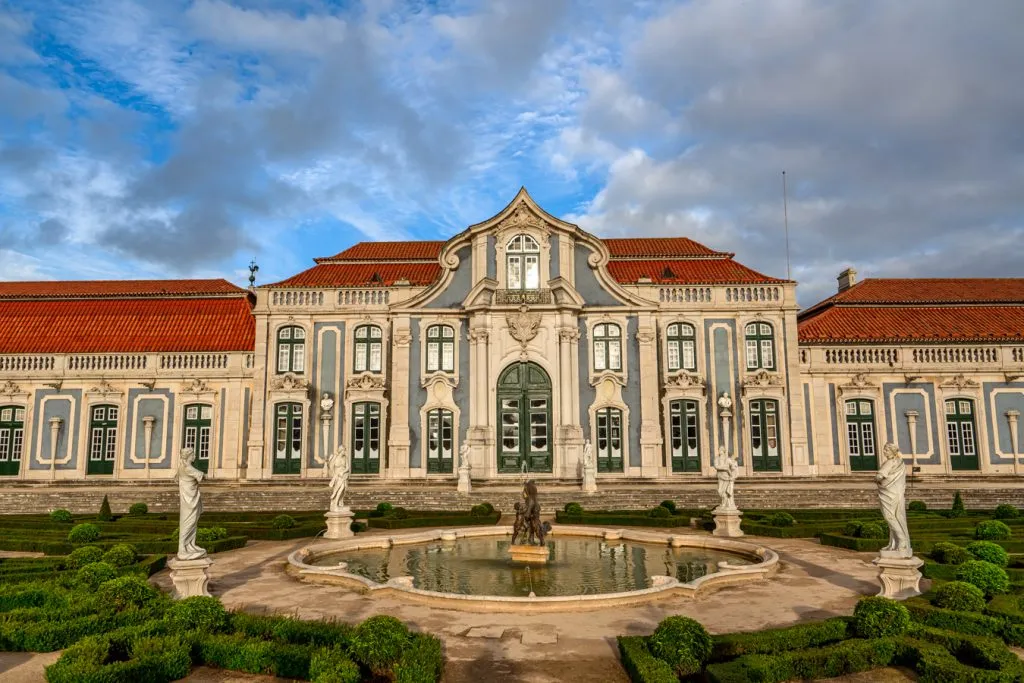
(914, 323)
(127, 325)
(390, 251)
(687, 271)
(115, 288)
(658, 247)
(381, 274)
(933, 291)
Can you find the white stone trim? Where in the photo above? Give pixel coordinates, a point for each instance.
(27, 430)
(159, 430)
(440, 395)
(972, 394)
(620, 319)
(425, 323)
(699, 345)
(997, 416)
(306, 353)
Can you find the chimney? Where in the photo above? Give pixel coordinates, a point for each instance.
(847, 279)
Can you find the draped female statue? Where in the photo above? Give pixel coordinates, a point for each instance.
(338, 468)
(190, 506)
(727, 469)
(892, 484)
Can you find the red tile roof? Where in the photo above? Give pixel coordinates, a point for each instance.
(389, 251)
(658, 247)
(931, 291)
(116, 288)
(914, 323)
(687, 271)
(127, 325)
(381, 274)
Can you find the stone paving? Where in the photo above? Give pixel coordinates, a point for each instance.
(814, 582)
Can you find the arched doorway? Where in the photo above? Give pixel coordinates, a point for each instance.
(524, 418)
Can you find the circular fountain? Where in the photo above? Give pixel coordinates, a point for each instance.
(586, 567)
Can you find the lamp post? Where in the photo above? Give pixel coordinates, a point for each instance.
(1012, 416)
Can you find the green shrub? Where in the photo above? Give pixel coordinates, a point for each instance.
(991, 579)
(641, 665)
(878, 617)
(332, 665)
(852, 528)
(670, 505)
(781, 519)
(402, 513)
(283, 522)
(917, 506)
(210, 534)
(127, 591)
(60, 515)
(138, 509)
(121, 555)
(773, 641)
(123, 656)
(199, 613)
(80, 557)
(950, 553)
(478, 511)
(105, 514)
(574, 509)
(1006, 511)
(958, 509)
(378, 642)
(873, 530)
(490, 508)
(356, 527)
(960, 596)
(992, 530)
(421, 662)
(683, 643)
(659, 512)
(94, 574)
(384, 508)
(84, 533)
(988, 551)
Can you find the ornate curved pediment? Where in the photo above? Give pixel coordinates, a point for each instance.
(366, 382)
(859, 385)
(13, 392)
(764, 382)
(444, 378)
(289, 381)
(607, 376)
(105, 389)
(960, 382)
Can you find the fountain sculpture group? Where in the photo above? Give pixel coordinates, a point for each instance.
(528, 532)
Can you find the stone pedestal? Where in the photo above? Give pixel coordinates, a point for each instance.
(339, 524)
(532, 554)
(465, 484)
(899, 575)
(190, 577)
(727, 523)
(589, 480)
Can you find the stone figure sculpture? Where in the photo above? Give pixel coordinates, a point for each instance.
(464, 456)
(725, 401)
(534, 529)
(589, 468)
(588, 455)
(519, 526)
(339, 469)
(326, 404)
(190, 506)
(892, 484)
(727, 469)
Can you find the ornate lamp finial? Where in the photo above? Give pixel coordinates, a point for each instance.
(253, 269)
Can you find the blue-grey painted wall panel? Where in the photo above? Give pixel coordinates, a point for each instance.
(556, 267)
(461, 393)
(244, 455)
(587, 392)
(326, 358)
(135, 433)
(899, 421)
(492, 258)
(835, 427)
(631, 392)
(717, 357)
(417, 395)
(220, 432)
(586, 281)
(807, 419)
(462, 281)
(66, 407)
(1001, 428)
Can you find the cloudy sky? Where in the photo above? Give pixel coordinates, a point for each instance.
(181, 139)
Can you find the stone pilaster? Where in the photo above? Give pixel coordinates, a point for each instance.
(479, 432)
(255, 457)
(398, 434)
(569, 433)
(650, 430)
(797, 415)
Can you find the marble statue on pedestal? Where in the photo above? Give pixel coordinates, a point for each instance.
(465, 485)
(190, 506)
(727, 469)
(589, 468)
(892, 484)
(339, 469)
(464, 456)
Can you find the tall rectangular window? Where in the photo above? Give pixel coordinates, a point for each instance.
(440, 440)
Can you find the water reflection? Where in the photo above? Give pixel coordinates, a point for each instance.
(480, 566)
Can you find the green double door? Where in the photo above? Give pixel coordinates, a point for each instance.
(524, 418)
(12, 439)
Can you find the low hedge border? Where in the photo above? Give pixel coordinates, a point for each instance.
(145, 546)
(947, 572)
(622, 520)
(414, 522)
(641, 665)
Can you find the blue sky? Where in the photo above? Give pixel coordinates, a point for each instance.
(181, 139)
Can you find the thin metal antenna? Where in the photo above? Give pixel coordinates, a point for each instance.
(785, 217)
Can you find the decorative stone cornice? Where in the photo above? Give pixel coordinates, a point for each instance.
(479, 334)
(289, 381)
(105, 388)
(569, 334)
(445, 378)
(607, 375)
(522, 217)
(860, 383)
(686, 380)
(9, 388)
(763, 378)
(366, 381)
(196, 386)
(1014, 376)
(960, 382)
(523, 325)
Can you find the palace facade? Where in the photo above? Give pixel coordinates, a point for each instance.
(523, 337)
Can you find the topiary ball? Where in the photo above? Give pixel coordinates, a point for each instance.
(200, 613)
(988, 551)
(573, 509)
(490, 508)
(917, 506)
(60, 515)
(878, 617)
(92, 575)
(84, 533)
(992, 530)
(80, 557)
(1006, 511)
(138, 509)
(670, 505)
(950, 553)
(683, 643)
(659, 512)
(991, 579)
(781, 519)
(283, 522)
(121, 555)
(378, 642)
(873, 530)
(384, 507)
(852, 528)
(478, 511)
(130, 590)
(960, 596)
(402, 513)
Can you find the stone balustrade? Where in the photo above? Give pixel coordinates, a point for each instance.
(683, 296)
(128, 364)
(984, 357)
(26, 364)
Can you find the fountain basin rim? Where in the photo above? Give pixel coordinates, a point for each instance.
(765, 560)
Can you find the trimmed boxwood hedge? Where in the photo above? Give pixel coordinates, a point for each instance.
(415, 522)
(641, 665)
(620, 519)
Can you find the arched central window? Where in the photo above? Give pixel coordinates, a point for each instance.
(440, 348)
(681, 347)
(291, 349)
(368, 349)
(607, 347)
(523, 259)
